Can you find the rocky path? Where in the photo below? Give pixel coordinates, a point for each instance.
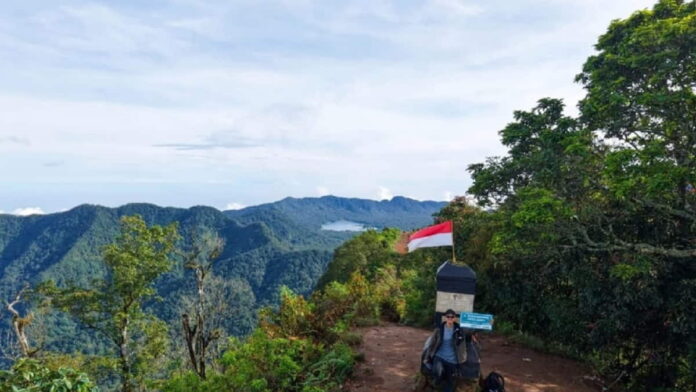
(392, 353)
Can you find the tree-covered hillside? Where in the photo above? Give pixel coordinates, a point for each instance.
(265, 248)
(583, 241)
(312, 213)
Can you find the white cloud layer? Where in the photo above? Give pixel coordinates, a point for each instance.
(234, 206)
(384, 193)
(322, 191)
(28, 211)
(187, 103)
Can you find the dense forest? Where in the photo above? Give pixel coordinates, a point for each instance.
(583, 237)
(592, 244)
(265, 248)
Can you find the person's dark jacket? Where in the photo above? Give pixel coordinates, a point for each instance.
(435, 340)
(465, 349)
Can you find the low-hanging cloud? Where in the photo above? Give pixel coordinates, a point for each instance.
(234, 206)
(384, 193)
(26, 211)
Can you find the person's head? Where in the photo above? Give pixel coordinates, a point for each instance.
(450, 315)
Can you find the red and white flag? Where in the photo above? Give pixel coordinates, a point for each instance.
(437, 235)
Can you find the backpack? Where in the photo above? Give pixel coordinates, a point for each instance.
(494, 383)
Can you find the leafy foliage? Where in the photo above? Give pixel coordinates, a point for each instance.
(113, 306)
(568, 266)
(583, 235)
(30, 375)
(294, 349)
(248, 273)
(591, 242)
(267, 247)
(304, 344)
(364, 254)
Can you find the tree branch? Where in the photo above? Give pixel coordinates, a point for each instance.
(20, 323)
(665, 208)
(620, 245)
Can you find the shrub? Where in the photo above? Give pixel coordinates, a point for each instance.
(388, 292)
(32, 375)
(330, 370)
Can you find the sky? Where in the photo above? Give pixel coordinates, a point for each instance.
(237, 103)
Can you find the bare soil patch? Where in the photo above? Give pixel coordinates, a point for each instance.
(392, 361)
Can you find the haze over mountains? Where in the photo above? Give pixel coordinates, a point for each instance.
(267, 246)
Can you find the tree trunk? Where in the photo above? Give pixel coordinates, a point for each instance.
(19, 323)
(190, 337)
(125, 363)
(196, 335)
(200, 319)
(200, 340)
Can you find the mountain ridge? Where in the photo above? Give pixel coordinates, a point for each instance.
(267, 246)
(313, 212)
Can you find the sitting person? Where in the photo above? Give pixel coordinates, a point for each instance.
(445, 354)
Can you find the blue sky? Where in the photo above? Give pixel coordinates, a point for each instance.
(236, 103)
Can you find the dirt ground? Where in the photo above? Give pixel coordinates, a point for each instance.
(392, 354)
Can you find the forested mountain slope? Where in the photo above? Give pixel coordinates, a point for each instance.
(312, 213)
(266, 247)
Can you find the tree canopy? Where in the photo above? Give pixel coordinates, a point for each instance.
(113, 306)
(593, 228)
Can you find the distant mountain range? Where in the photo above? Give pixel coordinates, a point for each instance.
(400, 212)
(267, 246)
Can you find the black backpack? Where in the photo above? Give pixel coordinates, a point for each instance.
(494, 383)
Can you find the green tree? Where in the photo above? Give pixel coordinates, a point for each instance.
(365, 253)
(641, 93)
(114, 305)
(546, 149)
(31, 375)
(641, 96)
(594, 219)
(519, 248)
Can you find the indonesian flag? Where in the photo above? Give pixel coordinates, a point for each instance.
(437, 235)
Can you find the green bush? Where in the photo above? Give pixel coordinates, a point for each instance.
(295, 316)
(329, 372)
(366, 307)
(388, 292)
(188, 382)
(264, 364)
(32, 375)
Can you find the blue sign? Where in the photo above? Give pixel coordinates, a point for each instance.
(476, 321)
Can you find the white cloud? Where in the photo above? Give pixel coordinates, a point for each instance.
(28, 211)
(234, 206)
(197, 92)
(384, 193)
(322, 191)
(105, 30)
(449, 196)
